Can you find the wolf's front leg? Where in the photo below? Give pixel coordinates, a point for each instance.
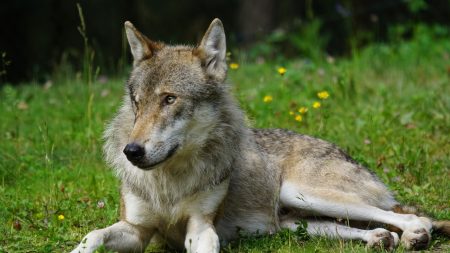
(201, 236)
(120, 237)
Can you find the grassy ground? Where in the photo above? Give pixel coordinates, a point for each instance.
(388, 106)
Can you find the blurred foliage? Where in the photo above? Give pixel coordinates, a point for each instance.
(41, 38)
(302, 40)
(416, 6)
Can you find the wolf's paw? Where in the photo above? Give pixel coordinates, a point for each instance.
(416, 239)
(418, 236)
(382, 239)
(205, 242)
(90, 242)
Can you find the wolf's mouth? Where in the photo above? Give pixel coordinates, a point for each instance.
(151, 166)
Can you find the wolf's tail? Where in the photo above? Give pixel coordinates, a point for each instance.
(441, 226)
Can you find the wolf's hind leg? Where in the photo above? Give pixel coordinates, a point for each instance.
(119, 237)
(375, 238)
(416, 230)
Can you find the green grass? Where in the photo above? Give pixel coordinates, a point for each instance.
(388, 107)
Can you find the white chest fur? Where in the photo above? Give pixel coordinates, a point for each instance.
(151, 212)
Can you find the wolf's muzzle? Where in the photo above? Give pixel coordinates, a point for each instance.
(134, 152)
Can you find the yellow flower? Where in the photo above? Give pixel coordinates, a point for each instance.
(299, 118)
(323, 95)
(316, 105)
(60, 217)
(267, 99)
(234, 65)
(302, 110)
(291, 113)
(281, 71)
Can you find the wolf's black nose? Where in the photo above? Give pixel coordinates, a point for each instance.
(134, 151)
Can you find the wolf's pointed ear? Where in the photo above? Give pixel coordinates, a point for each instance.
(141, 47)
(213, 50)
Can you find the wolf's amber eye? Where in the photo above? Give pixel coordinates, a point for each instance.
(169, 99)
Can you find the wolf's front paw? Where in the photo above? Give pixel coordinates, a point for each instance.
(211, 244)
(206, 241)
(90, 242)
(381, 238)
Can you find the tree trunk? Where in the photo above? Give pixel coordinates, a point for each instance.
(255, 18)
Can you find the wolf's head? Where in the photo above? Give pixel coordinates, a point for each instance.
(174, 93)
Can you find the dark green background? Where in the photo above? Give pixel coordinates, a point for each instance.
(39, 35)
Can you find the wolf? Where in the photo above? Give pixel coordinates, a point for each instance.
(194, 175)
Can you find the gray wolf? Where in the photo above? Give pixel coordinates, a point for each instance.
(192, 172)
